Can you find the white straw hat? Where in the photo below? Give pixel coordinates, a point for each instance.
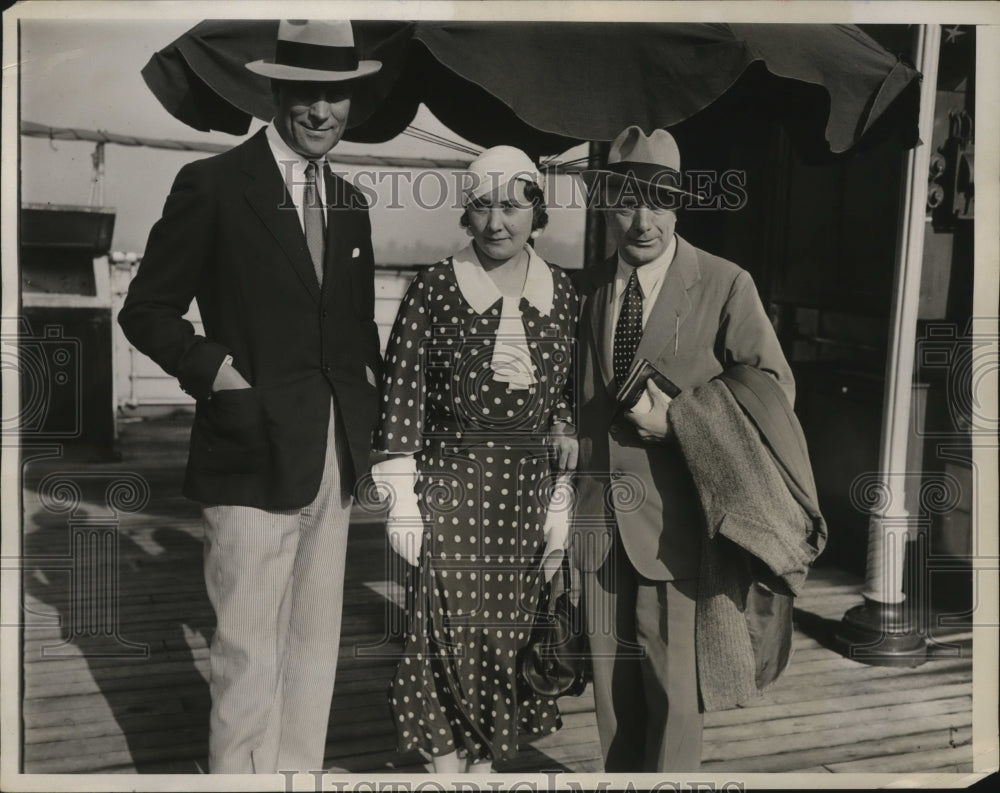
(314, 50)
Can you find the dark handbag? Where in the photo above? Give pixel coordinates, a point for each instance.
(553, 664)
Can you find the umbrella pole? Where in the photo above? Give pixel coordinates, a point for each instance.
(881, 631)
(594, 234)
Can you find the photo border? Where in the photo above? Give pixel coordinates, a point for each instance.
(987, 286)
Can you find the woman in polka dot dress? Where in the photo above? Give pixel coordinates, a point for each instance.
(476, 423)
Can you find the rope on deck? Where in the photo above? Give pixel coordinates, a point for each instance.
(32, 129)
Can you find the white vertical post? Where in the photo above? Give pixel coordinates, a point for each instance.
(878, 631)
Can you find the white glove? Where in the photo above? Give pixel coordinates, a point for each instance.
(396, 479)
(556, 526)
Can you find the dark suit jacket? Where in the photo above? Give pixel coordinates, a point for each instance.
(707, 316)
(230, 238)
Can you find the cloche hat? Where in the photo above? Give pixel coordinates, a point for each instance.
(496, 167)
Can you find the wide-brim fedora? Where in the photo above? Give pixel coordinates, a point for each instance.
(641, 163)
(315, 50)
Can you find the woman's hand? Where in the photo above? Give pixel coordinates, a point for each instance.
(406, 535)
(565, 448)
(396, 478)
(555, 529)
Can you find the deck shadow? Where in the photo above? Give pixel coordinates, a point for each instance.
(821, 629)
(531, 759)
(134, 633)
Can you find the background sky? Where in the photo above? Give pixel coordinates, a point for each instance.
(86, 74)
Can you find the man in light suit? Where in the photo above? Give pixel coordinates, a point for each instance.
(277, 252)
(637, 529)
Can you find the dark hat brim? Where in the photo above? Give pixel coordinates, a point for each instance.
(664, 185)
(278, 71)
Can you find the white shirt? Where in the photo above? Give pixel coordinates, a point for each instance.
(650, 280)
(292, 168)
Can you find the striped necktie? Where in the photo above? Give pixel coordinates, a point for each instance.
(628, 330)
(312, 216)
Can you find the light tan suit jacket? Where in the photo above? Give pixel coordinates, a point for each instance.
(707, 316)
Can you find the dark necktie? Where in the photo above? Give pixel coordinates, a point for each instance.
(312, 216)
(628, 331)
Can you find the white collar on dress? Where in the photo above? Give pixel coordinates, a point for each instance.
(480, 292)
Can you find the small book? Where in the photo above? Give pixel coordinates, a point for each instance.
(634, 387)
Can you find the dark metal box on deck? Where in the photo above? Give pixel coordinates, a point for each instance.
(65, 342)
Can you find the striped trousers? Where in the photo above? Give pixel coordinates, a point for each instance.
(275, 579)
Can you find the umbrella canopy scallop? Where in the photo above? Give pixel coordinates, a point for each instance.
(547, 86)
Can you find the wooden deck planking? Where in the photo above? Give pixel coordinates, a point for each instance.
(951, 759)
(872, 755)
(838, 721)
(732, 751)
(82, 713)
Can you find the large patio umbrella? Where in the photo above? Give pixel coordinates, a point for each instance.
(547, 86)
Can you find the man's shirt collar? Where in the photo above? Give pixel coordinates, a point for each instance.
(650, 275)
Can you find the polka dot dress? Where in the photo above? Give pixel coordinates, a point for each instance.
(483, 470)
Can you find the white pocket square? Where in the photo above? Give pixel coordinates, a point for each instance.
(355, 253)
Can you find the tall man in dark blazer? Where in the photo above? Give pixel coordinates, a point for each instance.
(277, 252)
(638, 523)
